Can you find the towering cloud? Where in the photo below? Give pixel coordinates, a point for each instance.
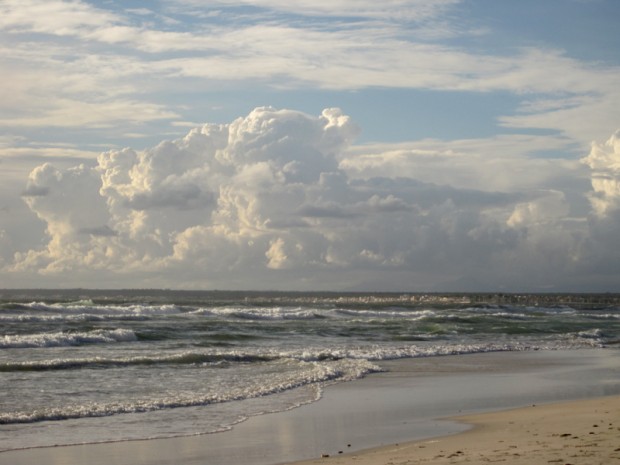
(604, 160)
(275, 199)
(220, 197)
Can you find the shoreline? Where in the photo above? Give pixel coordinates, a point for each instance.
(580, 432)
(417, 399)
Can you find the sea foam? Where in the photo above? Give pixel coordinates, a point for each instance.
(61, 339)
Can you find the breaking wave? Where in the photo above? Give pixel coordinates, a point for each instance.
(62, 339)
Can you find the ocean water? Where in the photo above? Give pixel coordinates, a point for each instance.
(95, 366)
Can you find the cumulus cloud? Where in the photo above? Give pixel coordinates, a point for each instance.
(600, 251)
(604, 161)
(4, 243)
(282, 191)
(546, 209)
(68, 202)
(231, 185)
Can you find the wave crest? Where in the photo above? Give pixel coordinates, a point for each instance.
(63, 339)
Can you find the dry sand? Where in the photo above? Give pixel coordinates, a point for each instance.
(585, 432)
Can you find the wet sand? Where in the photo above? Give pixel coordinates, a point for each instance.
(583, 432)
(408, 403)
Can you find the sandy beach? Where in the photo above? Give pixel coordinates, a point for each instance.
(577, 433)
(419, 411)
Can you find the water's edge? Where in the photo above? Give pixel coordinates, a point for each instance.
(399, 405)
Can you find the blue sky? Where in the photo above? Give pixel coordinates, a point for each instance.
(474, 145)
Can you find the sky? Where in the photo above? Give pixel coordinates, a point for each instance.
(345, 145)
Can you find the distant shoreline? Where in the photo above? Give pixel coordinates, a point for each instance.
(574, 299)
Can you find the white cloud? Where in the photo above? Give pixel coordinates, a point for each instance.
(67, 64)
(604, 160)
(49, 85)
(404, 10)
(51, 152)
(52, 16)
(265, 194)
(505, 163)
(544, 210)
(588, 116)
(281, 191)
(230, 183)
(67, 113)
(276, 254)
(69, 204)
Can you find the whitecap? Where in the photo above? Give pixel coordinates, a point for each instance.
(61, 339)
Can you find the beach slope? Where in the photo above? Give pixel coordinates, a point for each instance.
(585, 432)
(425, 410)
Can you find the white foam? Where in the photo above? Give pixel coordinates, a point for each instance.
(406, 314)
(267, 313)
(60, 339)
(263, 384)
(89, 308)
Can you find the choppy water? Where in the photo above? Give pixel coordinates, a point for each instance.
(89, 366)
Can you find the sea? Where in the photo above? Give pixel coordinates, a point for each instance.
(88, 366)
